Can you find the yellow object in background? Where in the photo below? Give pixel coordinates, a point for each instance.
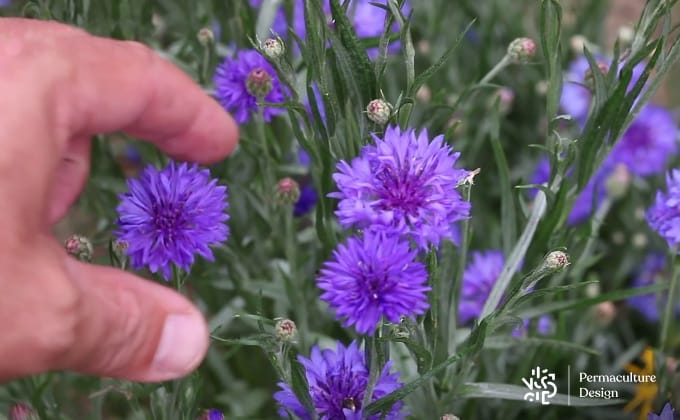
(645, 392)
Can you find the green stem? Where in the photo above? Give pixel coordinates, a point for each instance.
(268, 166)
(299, 300)
(671, 302)
(505, 61)
(451, 318)
(596, 224)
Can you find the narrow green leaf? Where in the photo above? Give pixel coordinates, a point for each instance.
(300, 385)
(588, 302)
(517, 393)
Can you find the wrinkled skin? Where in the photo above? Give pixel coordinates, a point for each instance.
(59, 87)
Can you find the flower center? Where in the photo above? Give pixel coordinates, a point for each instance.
(400, 189)
(168, 218)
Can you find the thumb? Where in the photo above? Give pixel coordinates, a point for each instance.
(131, 328)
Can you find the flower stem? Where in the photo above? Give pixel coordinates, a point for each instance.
(596, 224)
(495, 70)
(671, 302)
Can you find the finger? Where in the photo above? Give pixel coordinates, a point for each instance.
(125, 86)
(70, 178)
(97, 85)
(131, 328)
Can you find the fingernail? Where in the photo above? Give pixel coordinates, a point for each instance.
(182, 346)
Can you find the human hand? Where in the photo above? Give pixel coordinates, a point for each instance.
(59, 86)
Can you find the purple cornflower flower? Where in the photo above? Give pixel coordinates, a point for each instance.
(169, 215)
(212, 414)
(575, 99)
(231, 85)
(405, 182)
(337, 383)
(374, 276)
(369, 21)
(306, 202)
(594, 191)
(667, 413)
(648, 143)
(651, 272)
(664, 215)
(478, 279)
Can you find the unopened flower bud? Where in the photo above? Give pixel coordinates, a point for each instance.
(449, 417)
(521, 50)
(505, 97)
(640, 240)
(593, 289)
(259, 82)
(287, 191)
(626, 35)
(120, 249)
(423, 47)
(212, 414)
(617, 183)
(605, 313)
(22, 411)
(285, 330)
(273, 48)
(205, 37)
(578, 43)
(556, 260)
(379, 111)
(541, 87)
(79, 246)
(589, 78)
(424, 94)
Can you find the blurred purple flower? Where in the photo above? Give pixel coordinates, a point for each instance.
(212, 414)
(5, 3)
(405, 182)
(544, 326)
(667, 413)
(664, 215)
(575, 99)
(231, 89)
(337, 383)
(593, 193)
(478, 280)
(374, 276)
(168, 216)
(651, 272)
(648, 143)
(306, 202)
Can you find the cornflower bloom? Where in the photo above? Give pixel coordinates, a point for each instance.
(337, 384)
(171, 214)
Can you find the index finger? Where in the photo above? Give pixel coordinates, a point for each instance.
(125, 86)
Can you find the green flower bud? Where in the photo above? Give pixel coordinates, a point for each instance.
(521, 50)
(80, 247)
(379, 111)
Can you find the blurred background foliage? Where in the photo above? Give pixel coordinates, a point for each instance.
(268, 266)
